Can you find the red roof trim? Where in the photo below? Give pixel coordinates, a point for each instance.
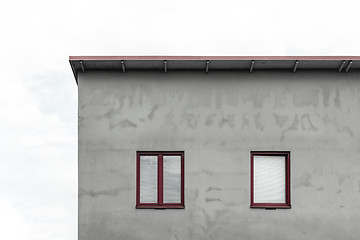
(99, 58)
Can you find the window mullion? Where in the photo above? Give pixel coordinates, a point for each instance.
(160, 179)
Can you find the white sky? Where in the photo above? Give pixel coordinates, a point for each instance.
(38, 94)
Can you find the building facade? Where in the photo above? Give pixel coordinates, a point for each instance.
(218, 147)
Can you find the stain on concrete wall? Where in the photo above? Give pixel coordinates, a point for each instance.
(217, 119)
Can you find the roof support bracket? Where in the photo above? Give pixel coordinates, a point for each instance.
(207, 66)
(342, 65)
(123, 65)
(82, 66)
(252, 65)
(296, 65)
(165, 66)
(348, 66)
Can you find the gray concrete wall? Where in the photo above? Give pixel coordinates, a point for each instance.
(217, 119)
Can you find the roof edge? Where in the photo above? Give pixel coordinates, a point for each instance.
(224, 58)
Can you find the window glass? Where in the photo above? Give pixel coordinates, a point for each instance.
(148, 179)
(269, 179)
(172, 179)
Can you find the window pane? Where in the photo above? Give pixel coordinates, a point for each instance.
(269, 179)
(148, 179)
(172, 179)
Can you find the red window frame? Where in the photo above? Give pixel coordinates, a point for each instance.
(160, 203)
(287, 204)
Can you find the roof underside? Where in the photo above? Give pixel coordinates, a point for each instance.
(214, 63)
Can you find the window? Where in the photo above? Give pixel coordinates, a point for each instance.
(160, 180)
(270, 179)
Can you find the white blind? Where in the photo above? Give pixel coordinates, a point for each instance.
(269, 179)
(148, 179)
(172, 179)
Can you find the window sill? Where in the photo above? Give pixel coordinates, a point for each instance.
(269, 205)
(154, 206)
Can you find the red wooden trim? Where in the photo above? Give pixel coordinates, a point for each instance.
(160, 179)
(270, 205)
(288, 200)
(252, 180)
(165, 206)
(160, 204)
(279, 58)
(182, 180)
(287, 203)
(167, 153)
(137, 179)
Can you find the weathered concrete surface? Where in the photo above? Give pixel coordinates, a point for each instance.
(217, 119)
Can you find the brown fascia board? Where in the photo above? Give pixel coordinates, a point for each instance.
(75, 60)
(219, 58)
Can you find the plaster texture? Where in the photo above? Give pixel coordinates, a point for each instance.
(217, 119)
